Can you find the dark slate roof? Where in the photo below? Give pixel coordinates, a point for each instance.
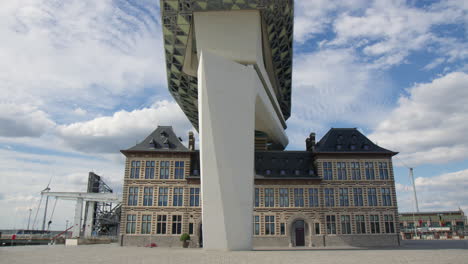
(162, 139)
(273, 165)
(348, 140)
(284, 164)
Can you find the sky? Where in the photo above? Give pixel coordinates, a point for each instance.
(82, 79)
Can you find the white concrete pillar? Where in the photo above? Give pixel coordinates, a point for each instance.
(89, 219)
(226, 95)
(77, 219)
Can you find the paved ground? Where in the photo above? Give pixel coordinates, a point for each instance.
(426, 252)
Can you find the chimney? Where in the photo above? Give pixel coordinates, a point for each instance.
(191, 141)
(310, 142)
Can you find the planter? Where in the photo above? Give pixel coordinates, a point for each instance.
(185, 244)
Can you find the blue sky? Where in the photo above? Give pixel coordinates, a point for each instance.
(82, 79)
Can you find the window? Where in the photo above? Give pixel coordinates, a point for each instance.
(369, 171)
(149, 171)
(194, 196)
(383, 170)
(284, 197)
(331, 224)
(298, 197)
(257, 197)
(146, 224)
(269, 197)
(317, 228)
(329, 197)
(179, 170)
(161, 224)
(345, 224)
(327, 171)
(282, 229)
(389, 226)
(269, 225)
(344, 199)
(355, 171)
(360, 224)
(372, 197)
(177, 197)
(131, 224)
(386, 197)
(133, 196)
(341, 167)
(374, 224)
(256, 225)
(176, 224)
(135, 170)
(190, 228)
(148, 196)
(164, 170)
(313, 197)
(162, 199)
(358, 200)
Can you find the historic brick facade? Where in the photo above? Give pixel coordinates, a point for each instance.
(314, 198)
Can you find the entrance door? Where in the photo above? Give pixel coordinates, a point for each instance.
(299, 232)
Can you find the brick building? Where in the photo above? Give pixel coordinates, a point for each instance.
(339, 191)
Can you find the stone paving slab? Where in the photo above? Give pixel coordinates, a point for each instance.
(410, 252)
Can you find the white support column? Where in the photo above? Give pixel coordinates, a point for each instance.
(226, 95)
(89, 219)
(235, 98)
(77, 220)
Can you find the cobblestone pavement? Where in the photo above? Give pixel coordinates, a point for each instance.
(426, 252)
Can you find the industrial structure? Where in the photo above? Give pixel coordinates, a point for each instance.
(101, 217)
(339, 191)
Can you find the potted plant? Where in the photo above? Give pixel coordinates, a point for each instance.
(185, 238)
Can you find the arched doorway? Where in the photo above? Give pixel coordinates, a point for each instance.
(299, 233)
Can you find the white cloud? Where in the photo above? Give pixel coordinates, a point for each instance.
(389, 31)
(23, 121)
(94, 55)
(314, 17)
(429, 125)
(123, 128)
(443, 192)
(331, 85)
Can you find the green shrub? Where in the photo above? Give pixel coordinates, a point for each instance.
(184, 237)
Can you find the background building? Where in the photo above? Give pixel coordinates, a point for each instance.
(339, 191)
(433, 225)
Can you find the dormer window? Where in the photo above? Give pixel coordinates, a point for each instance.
(338, 147)
(352, 147)
(366, 147)
(340, 139)
(268, 172)
(297, 172)
(195, 172)
(282, 172)
(311, 172)
(166, 143)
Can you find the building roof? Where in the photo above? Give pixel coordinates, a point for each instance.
(177, 19)
(348, 140)
(273, 165)
(284, 164)
(163, 139)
